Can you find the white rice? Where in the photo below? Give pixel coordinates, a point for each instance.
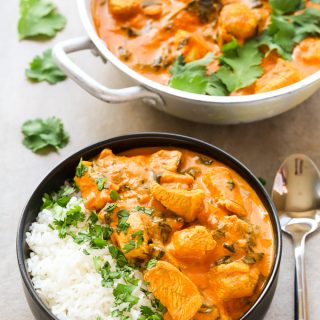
(66, 279)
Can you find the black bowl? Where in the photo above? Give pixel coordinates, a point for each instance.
(66, 169)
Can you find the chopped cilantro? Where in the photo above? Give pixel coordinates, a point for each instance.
(148, 314)
(66, 218)
(286, 6)
(123, 294)
(151, 263)
(39, 134)
(148, 211)
(81, 169)
(129, 246)
(118, 256)
(123, 216)
(114, 195)
(109, 207)
(43, 68)
(96, 235)
(100, 183)
(39, 18)
(62, 197)
(135, 242)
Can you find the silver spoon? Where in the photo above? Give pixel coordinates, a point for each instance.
(296, 194)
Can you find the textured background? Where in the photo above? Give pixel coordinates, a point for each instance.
(261, 146)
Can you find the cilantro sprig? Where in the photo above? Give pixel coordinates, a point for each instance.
(39, 18)
(193, 77)
(240, 65)
(39, 134)
(43, 68)
(285, 31)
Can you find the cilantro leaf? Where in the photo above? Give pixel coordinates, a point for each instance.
(43, 68)
(39, 18)
(192, 77)
(100, 183)
(151, 263)
(123, 216)
(114, 195)
(286, 6)
(285, 31)
(81, 169)
(129, 246)
(148, 211)
(240, 66)
(306, 24)
(39, 133)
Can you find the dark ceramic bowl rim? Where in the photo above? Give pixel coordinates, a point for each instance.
(174, 139)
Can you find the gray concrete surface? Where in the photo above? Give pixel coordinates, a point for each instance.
(261, 146)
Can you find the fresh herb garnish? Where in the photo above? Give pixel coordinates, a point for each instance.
(39, 134)
(192, 77)
(151, 263)
(118, 256)
(286, 6)
(129, 246)
(123, 216)
(62, 197)
(135, 242)
(148, 314)
(100, 183)
(63, 219)
(39, 18)
(114, 195)
(123, 294)
(96, 234)
(240, 65)
(148, 211)
(109, 207)
(284, 32)
(81, 169)
(43, 68)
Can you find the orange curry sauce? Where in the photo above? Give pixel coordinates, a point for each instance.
(149, 35)
(208, 229)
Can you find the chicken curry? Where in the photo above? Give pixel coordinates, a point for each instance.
(194, 227)
(214, 47)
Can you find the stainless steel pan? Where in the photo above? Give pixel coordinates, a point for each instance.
(194, 107)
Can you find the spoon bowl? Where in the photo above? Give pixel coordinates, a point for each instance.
(296, 195)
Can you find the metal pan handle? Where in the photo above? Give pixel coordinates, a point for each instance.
(60, 54)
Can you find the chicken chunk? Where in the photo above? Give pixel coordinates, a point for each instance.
(174, 290)
(165, 160)
(225, 190)
(194, 242)
(238, 20)
(234, 280)
(182, 202)
(134, 242)
(281, 75)
(309, 50)
(124, 7)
